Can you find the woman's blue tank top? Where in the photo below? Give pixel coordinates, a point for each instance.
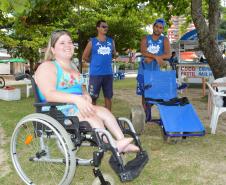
(64, 84)
(67, 85)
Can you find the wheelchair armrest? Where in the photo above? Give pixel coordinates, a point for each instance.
(51, 104)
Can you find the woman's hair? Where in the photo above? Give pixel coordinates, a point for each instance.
(52, 41)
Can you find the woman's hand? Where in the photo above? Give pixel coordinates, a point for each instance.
(86, 109)
(88, 97)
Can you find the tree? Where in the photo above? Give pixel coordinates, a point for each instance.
(222, 26)
(207, 34)
(28, 28)
(31, 21)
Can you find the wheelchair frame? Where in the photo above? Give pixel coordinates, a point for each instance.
(66, 135)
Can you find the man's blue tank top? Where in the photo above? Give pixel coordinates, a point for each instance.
(67, 85)
(101, 57)
(155, 47)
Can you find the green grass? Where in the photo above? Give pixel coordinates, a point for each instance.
(194, 161)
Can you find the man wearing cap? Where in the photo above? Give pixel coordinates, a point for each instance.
(155, 48)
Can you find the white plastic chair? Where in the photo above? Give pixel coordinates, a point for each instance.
(219, 85)
(215, 102)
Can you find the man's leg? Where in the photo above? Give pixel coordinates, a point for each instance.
(147, 109)
(107, 86)
(108, 103)
(143, 103)
(94, 88)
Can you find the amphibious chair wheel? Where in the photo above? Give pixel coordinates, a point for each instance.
(2, 82)
(137, 117)
(42, 151)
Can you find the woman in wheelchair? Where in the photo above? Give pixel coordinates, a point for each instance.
(59, 81)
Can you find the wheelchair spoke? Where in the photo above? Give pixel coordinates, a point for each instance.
(40, 154)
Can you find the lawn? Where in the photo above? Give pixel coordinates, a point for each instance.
(194, 161)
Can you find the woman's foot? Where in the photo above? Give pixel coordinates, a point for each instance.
(123, 143)
(131, 148)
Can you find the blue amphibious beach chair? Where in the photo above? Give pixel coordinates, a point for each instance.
(177, 116)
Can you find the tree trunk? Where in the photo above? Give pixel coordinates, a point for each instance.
(207, 35)
(31, 62)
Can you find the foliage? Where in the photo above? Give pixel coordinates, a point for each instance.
(31, 22)
(25, 25)
(124, 65)
(222, 26)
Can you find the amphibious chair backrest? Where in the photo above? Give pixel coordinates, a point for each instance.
(160, 84)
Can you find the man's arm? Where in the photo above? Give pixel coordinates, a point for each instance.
(166, 54)
(143, 49)
(114, 53)
(149, 56)
(87, 51)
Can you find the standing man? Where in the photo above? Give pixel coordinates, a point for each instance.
(99, 52)
(155, 49)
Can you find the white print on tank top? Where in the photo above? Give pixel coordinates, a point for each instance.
(103, 50)
(154, 49)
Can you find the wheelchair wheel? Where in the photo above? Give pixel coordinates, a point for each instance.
(37, 157)
(137, 116)
(2, 82)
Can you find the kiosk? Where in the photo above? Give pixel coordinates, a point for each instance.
(192, 63)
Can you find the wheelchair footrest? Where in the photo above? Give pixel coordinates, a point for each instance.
(132, 169)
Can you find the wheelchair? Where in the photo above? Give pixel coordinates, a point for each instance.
(2, 82)
(44, 146)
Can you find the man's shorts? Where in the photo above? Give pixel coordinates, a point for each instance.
(103, 81)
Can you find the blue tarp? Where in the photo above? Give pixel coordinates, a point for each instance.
(192, 35)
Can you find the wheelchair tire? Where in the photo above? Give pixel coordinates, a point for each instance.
(108, 178)
(36, 155)
(2, 82)
(137, 116)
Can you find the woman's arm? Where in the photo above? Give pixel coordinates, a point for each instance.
(46, 77)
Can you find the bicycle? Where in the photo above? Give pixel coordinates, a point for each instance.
(2, 82)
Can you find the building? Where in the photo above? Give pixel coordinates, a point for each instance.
(10, 65)
(174, 30)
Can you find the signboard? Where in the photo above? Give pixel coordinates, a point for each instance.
(196, 71)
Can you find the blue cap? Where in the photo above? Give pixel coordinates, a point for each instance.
(160, 21)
